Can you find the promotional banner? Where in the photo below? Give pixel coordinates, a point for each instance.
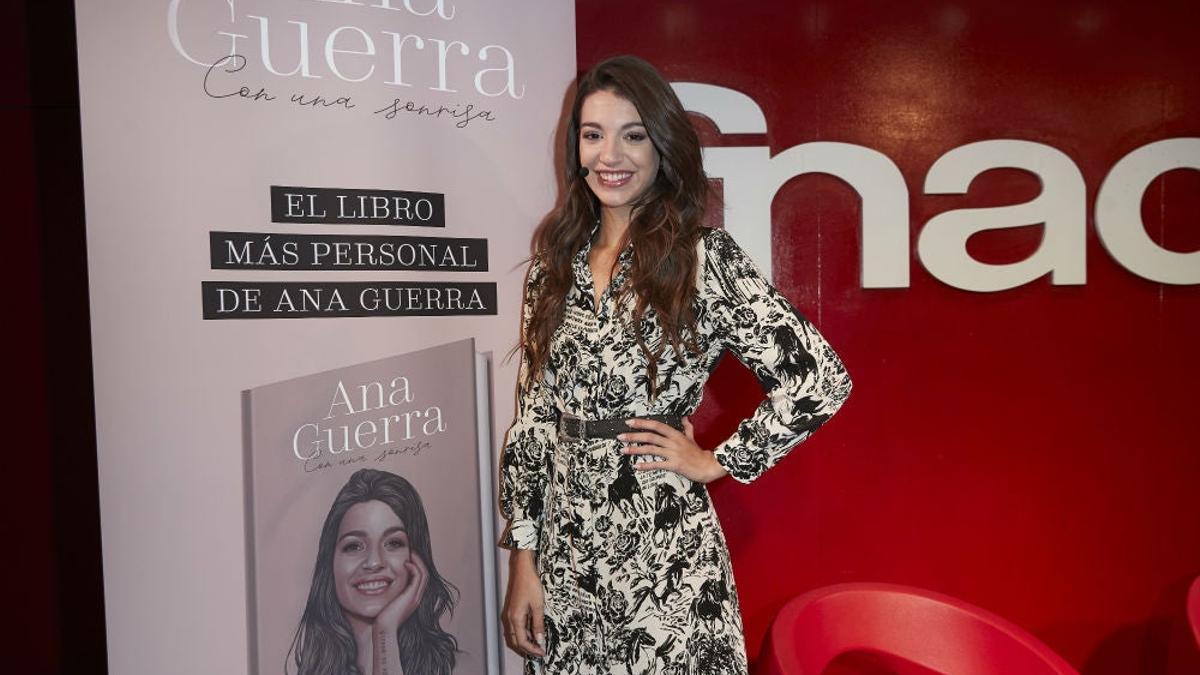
(306, 223)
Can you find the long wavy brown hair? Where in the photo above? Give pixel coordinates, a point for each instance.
(664, 229)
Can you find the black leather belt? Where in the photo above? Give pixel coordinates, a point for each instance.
(572, 428)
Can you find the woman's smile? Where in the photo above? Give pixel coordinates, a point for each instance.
(614, 179)
(372, 586)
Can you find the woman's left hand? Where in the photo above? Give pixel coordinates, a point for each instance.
(677, 449)
(402, 606)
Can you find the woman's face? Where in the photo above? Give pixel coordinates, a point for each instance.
(614, 146)
(368, 560)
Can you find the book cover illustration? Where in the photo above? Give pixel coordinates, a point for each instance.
(369, 528)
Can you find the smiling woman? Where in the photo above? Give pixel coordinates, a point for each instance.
(373, 564)
(616, 150)
(618, 562)
(376, 600)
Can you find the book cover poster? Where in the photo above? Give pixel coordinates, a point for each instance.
(363, 509)
(276, 188)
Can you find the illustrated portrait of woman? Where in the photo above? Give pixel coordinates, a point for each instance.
(376, 601)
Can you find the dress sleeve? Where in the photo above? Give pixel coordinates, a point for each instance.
(524, 462)
(804, 380)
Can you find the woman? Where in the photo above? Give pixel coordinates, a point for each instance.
(376, 599)
(618, 562)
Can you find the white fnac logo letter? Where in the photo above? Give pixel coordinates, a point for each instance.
(752, 177)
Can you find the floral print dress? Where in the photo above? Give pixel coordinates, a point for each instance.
(634, 565)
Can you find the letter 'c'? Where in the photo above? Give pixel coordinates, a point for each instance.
(1119, 212)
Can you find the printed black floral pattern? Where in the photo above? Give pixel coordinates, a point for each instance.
(634, 564)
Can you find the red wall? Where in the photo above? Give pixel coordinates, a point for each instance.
(1032, 451)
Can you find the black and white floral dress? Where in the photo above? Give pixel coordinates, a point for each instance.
(634, 564)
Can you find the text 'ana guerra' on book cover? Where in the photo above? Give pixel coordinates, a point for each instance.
(370, 518)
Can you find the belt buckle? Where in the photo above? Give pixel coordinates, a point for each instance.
(565, 422)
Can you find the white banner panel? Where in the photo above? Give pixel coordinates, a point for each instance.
(278, 189)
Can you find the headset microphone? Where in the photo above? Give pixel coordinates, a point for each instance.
(583, 172)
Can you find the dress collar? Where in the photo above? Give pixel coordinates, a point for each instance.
(583, 272)
(583, 275)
